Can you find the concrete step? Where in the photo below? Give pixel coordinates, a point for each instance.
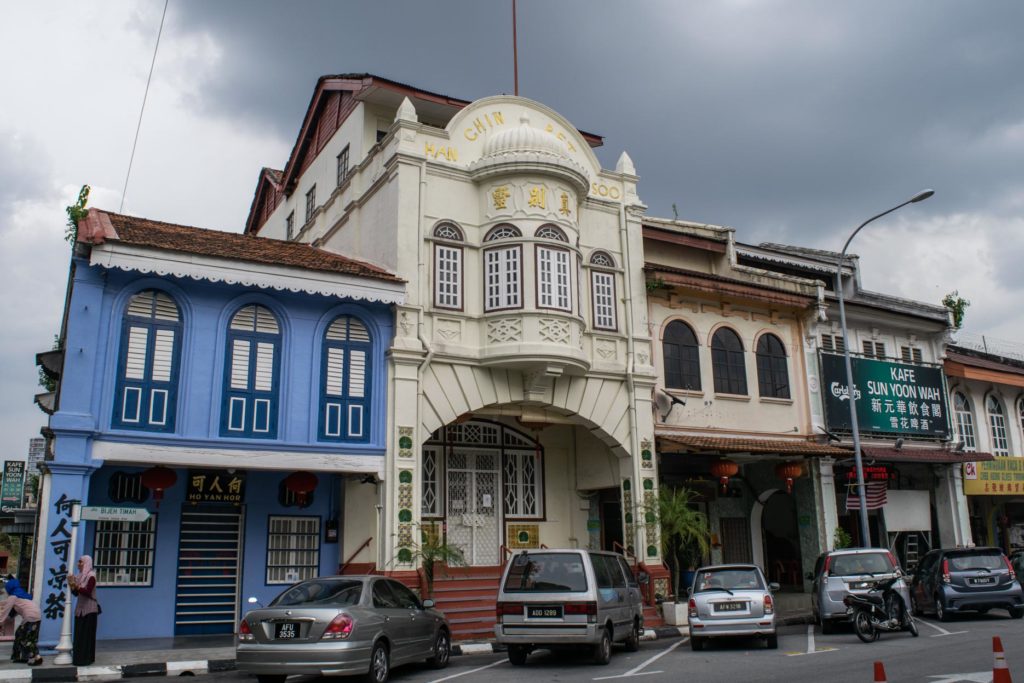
(468, 583)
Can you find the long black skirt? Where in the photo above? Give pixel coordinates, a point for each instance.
(84, 640)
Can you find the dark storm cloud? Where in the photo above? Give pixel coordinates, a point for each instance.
(788, 120)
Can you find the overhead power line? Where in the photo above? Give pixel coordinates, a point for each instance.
(138, 127)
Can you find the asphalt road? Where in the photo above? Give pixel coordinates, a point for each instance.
(960, 650)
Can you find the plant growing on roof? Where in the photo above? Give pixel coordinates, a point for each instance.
(685, 533)
(76, 212)
(957, 305)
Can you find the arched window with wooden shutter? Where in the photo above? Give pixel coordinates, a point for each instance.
(147, 369)
(251, 371)
(345, 384)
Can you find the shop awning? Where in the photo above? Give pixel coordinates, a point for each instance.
(719, 444)
(923, 455)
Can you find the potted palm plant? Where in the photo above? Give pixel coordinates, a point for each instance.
(433, 551)
(685, 540)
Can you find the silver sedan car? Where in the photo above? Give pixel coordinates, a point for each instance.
(340, 625)
(731, 600)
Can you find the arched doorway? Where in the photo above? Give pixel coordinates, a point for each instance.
(476, 476)
(781, 540)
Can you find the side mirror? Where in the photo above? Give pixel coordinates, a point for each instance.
(643, 578)
(774, 586)
(428, 604)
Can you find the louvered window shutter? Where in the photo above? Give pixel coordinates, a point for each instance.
(345, 387)
(250, 403)
(147, 373)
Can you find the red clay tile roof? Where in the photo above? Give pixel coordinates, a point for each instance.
(729, 445)
(100, 226)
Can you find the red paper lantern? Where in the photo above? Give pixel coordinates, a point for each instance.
(723, 468)
(789, 471)
(158, 479)
(301, 484)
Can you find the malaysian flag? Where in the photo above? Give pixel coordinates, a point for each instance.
(874, 495)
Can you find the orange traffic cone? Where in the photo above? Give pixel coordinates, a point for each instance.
(1000, 672)
(880, 673)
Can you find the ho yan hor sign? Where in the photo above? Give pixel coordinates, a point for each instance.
(892, 398)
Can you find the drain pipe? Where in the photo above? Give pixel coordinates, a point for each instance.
(630, 345)
(422, 269)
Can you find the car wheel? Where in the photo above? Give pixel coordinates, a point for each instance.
(380, 664)
(827, 627)
(271, 678)
(603, 650)
(442, 650)
(940, 610)
(517, 655)
(772, 642)
(1016, 612)
(633, 641)
(696, 644)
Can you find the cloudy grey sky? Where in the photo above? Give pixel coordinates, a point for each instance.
(790, 121)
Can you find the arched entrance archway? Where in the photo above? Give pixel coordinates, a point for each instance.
(778, 534)
(477, 475)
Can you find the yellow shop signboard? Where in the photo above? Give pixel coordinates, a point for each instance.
(1003, 476)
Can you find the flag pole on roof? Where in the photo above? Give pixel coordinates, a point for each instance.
(515, 51)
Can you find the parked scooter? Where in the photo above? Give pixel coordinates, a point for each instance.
(880, 609)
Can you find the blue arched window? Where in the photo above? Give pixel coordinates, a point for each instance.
(345, 384)
(147, 368)
(251, 371)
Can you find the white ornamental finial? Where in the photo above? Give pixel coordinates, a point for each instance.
(406, 112)
(625, 165)
(524, 119)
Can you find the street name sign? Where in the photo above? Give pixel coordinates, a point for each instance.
(107, 513)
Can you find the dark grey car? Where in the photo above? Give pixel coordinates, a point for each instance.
(951, 580)
(342, 625)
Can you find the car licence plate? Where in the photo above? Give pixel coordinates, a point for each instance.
(729, 606)
(288, 630)
(544, 611)
(982, 581)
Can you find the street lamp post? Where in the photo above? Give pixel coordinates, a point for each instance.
(64, 646)
(855, 427)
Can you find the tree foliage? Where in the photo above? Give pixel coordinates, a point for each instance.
(76, 212)
(685, 533)
(958, 305)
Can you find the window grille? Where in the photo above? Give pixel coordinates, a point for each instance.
(447, 231)
(550, 232)
(503, 274)
(123, 552)
(502, 232)
(553, 278)
(727, 363)
(522, 483)
(431, 498)
(772, 370)
(293, 549)
(601, 258)
(447, 276)
(602, 287)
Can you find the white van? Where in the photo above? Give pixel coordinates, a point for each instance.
(552, 598)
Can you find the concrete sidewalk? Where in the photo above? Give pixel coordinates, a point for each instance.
(117, 659)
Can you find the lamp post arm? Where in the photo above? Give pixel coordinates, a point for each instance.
(842, 255)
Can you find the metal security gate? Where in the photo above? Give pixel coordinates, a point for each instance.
(474, 504)
(209, 551)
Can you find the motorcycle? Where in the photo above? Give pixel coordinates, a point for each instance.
(880, 609)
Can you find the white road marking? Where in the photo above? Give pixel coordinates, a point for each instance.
(811, 649)
(977, 677)
(471, 671)
(941, 631)
(635, 671)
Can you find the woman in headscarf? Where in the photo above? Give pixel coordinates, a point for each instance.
(83, 584)
(26, 638)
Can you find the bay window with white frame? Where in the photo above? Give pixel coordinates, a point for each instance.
(448, 268)
(554, 270)
(602, 292)
(503, 269)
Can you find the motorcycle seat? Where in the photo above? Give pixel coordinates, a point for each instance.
(876, 599)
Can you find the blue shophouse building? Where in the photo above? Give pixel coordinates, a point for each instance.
(231, 385)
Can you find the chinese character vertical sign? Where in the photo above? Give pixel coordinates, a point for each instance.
(12, 492)
(60, 542)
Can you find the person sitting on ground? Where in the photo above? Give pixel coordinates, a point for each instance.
(26, 638)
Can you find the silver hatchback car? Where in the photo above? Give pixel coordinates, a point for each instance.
(851, 570)
(732, 600)
(341, 625)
